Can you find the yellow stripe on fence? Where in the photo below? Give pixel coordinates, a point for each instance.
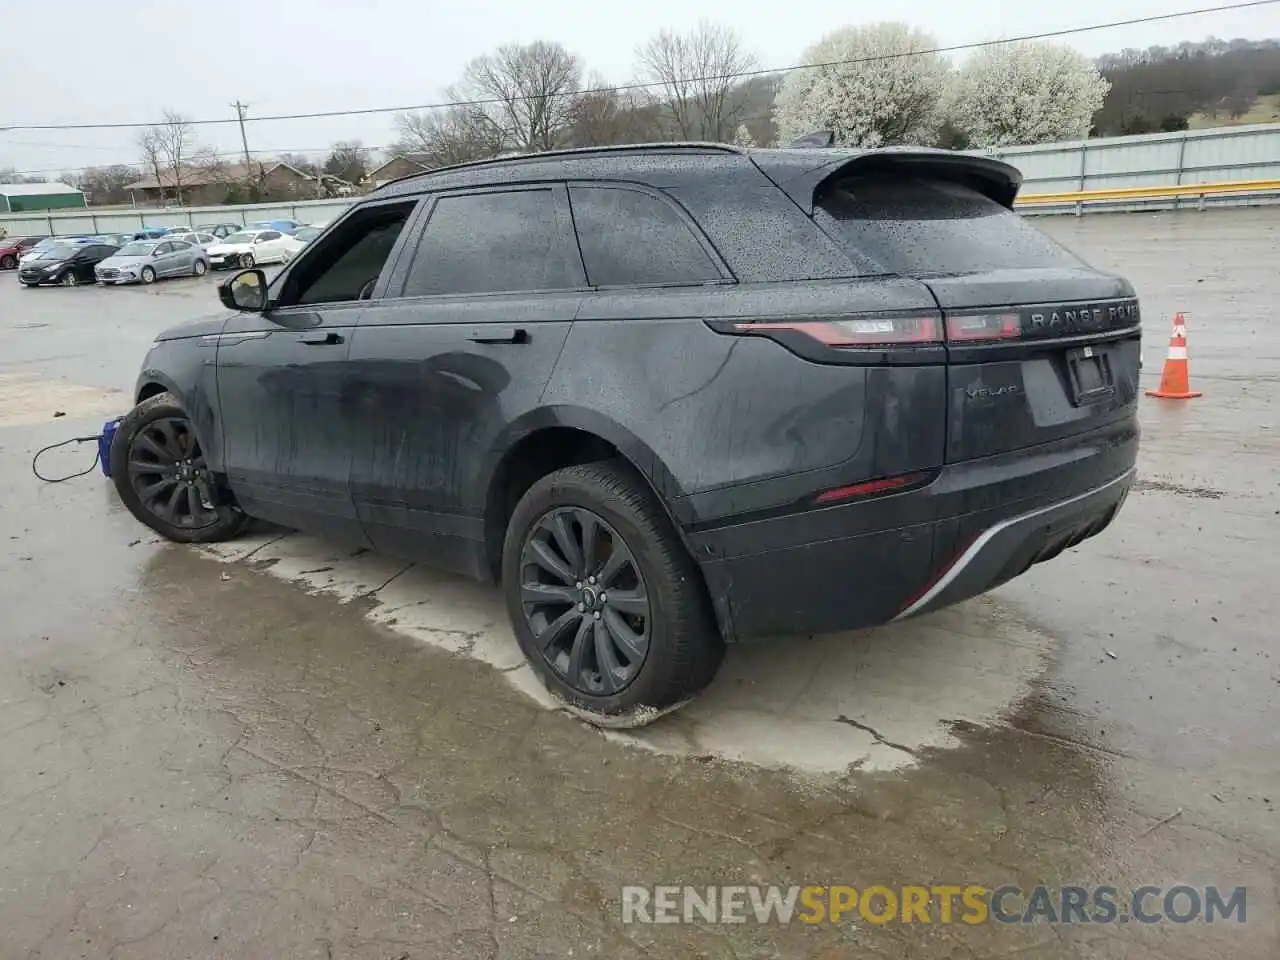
(1154, 193)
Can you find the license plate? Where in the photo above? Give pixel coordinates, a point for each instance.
(1090, 375)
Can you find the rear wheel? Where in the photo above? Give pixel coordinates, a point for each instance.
(607, 605)
(147, 275)
(159, 471)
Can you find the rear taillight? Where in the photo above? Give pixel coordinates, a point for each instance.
(984, 326)
(854, 331)
(873, 488)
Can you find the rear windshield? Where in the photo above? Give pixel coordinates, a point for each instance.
(916, 227)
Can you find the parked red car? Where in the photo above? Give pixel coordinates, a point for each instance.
(11, 248)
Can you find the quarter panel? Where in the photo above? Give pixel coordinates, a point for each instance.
(740, 424)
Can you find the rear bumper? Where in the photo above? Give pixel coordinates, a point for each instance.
(977, 525)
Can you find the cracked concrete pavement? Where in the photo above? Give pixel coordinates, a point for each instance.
(276, 750)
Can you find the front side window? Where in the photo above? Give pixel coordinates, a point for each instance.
(630, 238)
(346, 264)
(269, 235)
(493, 243)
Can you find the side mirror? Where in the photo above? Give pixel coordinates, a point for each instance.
(246, 291)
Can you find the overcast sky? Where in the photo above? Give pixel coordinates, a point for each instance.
(89, 61)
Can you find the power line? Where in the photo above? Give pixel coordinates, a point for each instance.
(739, 75)
(1134, 97)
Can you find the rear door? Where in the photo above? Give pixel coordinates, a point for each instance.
(179, 259)
(1040, 345)
(268, 247)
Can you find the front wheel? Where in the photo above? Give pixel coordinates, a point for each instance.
(160, 472)
(69, 279)
(147, 275)
(606, 603)
(7, 262)
(199, 268)
(246, 260)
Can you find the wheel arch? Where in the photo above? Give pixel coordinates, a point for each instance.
(555, 437)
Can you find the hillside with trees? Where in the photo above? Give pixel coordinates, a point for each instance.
(1166, 88)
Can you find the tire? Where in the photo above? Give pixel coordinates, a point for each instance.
(147, 275)
(682, 648)
(199, 269)
(158, 425)
(7, 262)
(246, 261)
(69, 279)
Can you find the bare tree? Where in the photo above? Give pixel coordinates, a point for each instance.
(532, 87)
(603, 116)
(694, 75)
(170, 143)
(441, 137)
(348, 160)
(149, 144)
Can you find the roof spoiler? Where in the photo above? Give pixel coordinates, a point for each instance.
(801, 181)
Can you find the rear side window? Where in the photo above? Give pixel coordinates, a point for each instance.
(628, 238)
(916, 227)
(493, 243)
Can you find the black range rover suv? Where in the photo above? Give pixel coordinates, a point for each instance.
(668, 396)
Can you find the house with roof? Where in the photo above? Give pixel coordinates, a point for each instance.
(209, 185)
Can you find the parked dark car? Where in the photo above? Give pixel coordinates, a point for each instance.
(65, 264)
(12, 248)
(667, 396)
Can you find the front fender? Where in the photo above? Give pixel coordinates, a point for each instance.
(187, 368)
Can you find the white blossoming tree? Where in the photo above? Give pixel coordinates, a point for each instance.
(1031, 92)
(742, 137)
(877, 84)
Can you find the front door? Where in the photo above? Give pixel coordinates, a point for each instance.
(463, 344)
(285, 379)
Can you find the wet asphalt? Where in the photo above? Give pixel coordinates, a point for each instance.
(246, 755)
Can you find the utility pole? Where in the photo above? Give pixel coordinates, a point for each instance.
(241, 109)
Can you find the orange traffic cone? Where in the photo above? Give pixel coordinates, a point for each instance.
(1174, 381)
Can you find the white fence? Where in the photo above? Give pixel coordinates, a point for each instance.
(1219, 155)
(117, 220)
(1157, 159)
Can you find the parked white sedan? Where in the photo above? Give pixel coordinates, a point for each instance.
(248, 248)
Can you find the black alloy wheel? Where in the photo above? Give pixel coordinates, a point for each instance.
(585, 600)
(167, 472)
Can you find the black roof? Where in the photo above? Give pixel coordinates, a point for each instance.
(798, 170)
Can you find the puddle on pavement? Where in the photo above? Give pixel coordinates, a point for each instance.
(870, 700)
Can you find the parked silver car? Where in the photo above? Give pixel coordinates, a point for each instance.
(145, 261)
(202, 240)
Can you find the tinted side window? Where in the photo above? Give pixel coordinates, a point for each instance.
(163, 248)
(346, 266)
(491, 243)
(628, 237)
(270, 235)
(916, 227)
